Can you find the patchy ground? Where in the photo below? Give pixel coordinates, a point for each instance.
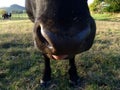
(21, 64)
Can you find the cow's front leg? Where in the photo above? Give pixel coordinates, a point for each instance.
(47, 72)
(74, 78)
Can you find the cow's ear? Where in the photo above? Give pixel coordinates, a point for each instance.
(29, 9)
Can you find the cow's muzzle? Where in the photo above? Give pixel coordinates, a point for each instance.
(59, 43)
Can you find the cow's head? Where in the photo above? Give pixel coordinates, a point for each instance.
(62, 27)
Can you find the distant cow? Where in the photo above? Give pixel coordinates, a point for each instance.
(62, 29)
(6, 16)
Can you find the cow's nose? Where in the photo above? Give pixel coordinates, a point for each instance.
(57, 42)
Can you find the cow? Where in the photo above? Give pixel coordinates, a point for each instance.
(62, 29)
(6, 16)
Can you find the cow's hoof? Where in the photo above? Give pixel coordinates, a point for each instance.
(44, 84)
(75, 83)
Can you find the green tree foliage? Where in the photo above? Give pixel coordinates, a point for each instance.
(105, 6)
(2, 11)
(95, 5)
(114, 5)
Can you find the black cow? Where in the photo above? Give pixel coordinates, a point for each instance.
(6, 16)
(62, 29)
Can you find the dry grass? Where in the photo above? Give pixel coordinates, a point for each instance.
(21, 65)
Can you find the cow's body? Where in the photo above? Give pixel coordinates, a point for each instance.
(63, 28)
(6, 16)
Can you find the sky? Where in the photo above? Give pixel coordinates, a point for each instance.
(7, 3)
(90, 1)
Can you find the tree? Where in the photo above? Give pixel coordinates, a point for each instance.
(2, 11)
(114, 6)
(105, 6)
(95, 6)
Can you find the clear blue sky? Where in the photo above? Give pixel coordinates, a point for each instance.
(7, 3)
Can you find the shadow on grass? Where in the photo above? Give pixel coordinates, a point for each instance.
(21, 66)
(101, 71)
(15, 41)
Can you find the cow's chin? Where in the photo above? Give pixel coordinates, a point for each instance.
(59, 57)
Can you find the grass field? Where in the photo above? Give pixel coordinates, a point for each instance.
(21, 64)
(22, 16)
(107, 16)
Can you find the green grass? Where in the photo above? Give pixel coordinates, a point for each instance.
(107, 16)
(102, 16)
(21, 65)
(19, 16)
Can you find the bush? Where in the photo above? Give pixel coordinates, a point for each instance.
(2, 11)
(101, 6)
(114, 6)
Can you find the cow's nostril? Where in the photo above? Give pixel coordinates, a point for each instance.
(39, 35)
(41, 38)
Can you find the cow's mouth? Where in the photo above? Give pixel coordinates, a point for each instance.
(59, 57)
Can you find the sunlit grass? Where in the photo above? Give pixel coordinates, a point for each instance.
(21, 65)
(107, 16)
(102, 16)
